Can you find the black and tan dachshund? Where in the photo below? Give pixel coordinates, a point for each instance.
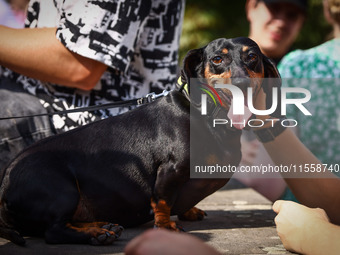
(127, 169)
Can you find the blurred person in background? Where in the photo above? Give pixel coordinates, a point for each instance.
(82, 53)
(13, 13)
(274, 25)
(322, 61)
(19, 7)
(319, 68)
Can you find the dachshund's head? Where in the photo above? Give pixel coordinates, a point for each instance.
(237, 61)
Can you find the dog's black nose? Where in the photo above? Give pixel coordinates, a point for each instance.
(241, 82)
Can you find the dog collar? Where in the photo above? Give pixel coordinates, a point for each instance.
(183, 87)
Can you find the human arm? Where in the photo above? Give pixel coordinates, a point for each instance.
(37, 53)
(306, 230)
(311, 189)
(165, 242)
(287, 149)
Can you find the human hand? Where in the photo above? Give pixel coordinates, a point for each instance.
(165, 242)
(263, 102)
(298, 226)
(268, 123)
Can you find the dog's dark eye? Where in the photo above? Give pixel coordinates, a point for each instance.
(252, 57)
(217, 60)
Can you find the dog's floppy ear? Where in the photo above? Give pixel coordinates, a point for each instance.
(270, 70)
(192, 67)
(272, 80)
(192, 63)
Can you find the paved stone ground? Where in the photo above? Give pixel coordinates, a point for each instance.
(240, 221)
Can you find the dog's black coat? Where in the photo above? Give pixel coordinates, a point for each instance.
(111, 169)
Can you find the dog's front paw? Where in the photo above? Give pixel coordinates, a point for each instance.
(107, 235)
(193, 214)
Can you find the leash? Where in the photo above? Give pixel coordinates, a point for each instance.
(133, 102)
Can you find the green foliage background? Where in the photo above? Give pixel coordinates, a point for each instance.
(205, 21)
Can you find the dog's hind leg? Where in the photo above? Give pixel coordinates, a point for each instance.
(94, 233)
(76, 224)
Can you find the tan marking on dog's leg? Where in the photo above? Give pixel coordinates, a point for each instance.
(162, 215)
